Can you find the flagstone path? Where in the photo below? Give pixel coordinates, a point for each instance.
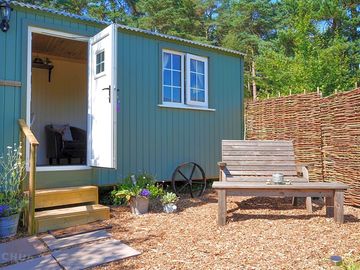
(74, 252)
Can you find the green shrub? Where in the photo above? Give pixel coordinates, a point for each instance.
(145, 186)
(351, 264)
(169, 197)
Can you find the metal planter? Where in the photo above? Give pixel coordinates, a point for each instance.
(8, 225)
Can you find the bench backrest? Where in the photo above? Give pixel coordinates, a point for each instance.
(258, 158)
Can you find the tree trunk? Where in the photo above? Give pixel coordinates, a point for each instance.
(253, 74)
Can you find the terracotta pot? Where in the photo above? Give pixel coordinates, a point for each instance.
(139, 205)
(8, 225)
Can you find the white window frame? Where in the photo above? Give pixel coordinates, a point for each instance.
(188, 89)
(102, 73)
(168, 103)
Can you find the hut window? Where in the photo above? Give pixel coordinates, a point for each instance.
(197, 81)
(173, 77)
(100, 62)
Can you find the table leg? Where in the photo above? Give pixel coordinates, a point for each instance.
(329, 203)
(309, 204)
(222, 207)
(339, 206)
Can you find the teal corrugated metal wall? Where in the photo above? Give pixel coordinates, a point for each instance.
(13, 55)
(154, 139)
(150, 138)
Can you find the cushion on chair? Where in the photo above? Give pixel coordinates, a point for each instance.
(65, 132)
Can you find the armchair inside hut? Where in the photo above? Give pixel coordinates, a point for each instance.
(65, 142)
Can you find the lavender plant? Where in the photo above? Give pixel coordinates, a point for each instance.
(12, 176)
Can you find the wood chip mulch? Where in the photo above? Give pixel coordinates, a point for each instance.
(261, 233)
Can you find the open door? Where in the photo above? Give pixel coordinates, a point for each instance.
(102, 98)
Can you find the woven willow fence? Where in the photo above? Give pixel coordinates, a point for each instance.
(325, 132)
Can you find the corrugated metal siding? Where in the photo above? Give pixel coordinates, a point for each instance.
(150, 138)
(156, 140)
(13, 53)
(9, 96)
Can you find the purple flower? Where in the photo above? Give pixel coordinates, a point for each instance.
(145, 193)
(3, 208)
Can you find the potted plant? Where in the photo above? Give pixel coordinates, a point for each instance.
(12, 198)
(136, 191)
(168, 201)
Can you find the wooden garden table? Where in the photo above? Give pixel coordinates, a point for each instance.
(332, 191)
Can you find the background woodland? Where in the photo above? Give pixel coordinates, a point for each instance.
(291, 46)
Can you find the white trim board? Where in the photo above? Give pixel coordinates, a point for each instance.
(185, 107)
(51, 168)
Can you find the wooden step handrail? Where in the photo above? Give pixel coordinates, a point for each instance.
(27, 134)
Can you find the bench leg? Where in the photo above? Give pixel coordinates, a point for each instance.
(222, 207)
(295, 201)
(339, 206)
(329, 203)
(309, 205)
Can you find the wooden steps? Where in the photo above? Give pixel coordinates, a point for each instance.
(60, 208)
(64, 196)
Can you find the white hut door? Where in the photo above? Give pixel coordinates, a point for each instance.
(102, 98)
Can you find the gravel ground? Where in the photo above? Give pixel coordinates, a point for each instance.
(261, 233)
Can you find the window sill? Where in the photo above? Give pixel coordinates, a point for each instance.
(186, 107)
(52, 168)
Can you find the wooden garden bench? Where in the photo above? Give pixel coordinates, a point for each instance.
(246, 167)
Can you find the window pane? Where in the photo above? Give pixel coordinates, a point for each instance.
(176, 94)
(200, 80)
(172, 77)
(176, 62)
(167, 93)
(167, 60)
(176, 78)
(200, 67)
(201, 96)
(192, 65)
(193, 80)
(167, 77)
(193, 94)
(100, 65)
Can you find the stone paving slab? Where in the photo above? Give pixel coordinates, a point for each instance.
(46, 262)
(93, 254)
(20, 249)
(54, 243)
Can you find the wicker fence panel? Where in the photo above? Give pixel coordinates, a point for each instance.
(341, 141)
(325, 131)
(295, 118)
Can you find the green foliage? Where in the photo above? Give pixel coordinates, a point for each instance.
(126, 190)
(291, 45)
(12, 174)
(169, 197)
(351, 263)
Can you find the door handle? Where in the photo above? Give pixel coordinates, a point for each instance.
(109, 89)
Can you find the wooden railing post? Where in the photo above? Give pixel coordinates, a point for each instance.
(32, 188)
(25, 133)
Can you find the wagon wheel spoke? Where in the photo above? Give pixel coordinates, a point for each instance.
(180, 172)
(192, 173)
(183, 187)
